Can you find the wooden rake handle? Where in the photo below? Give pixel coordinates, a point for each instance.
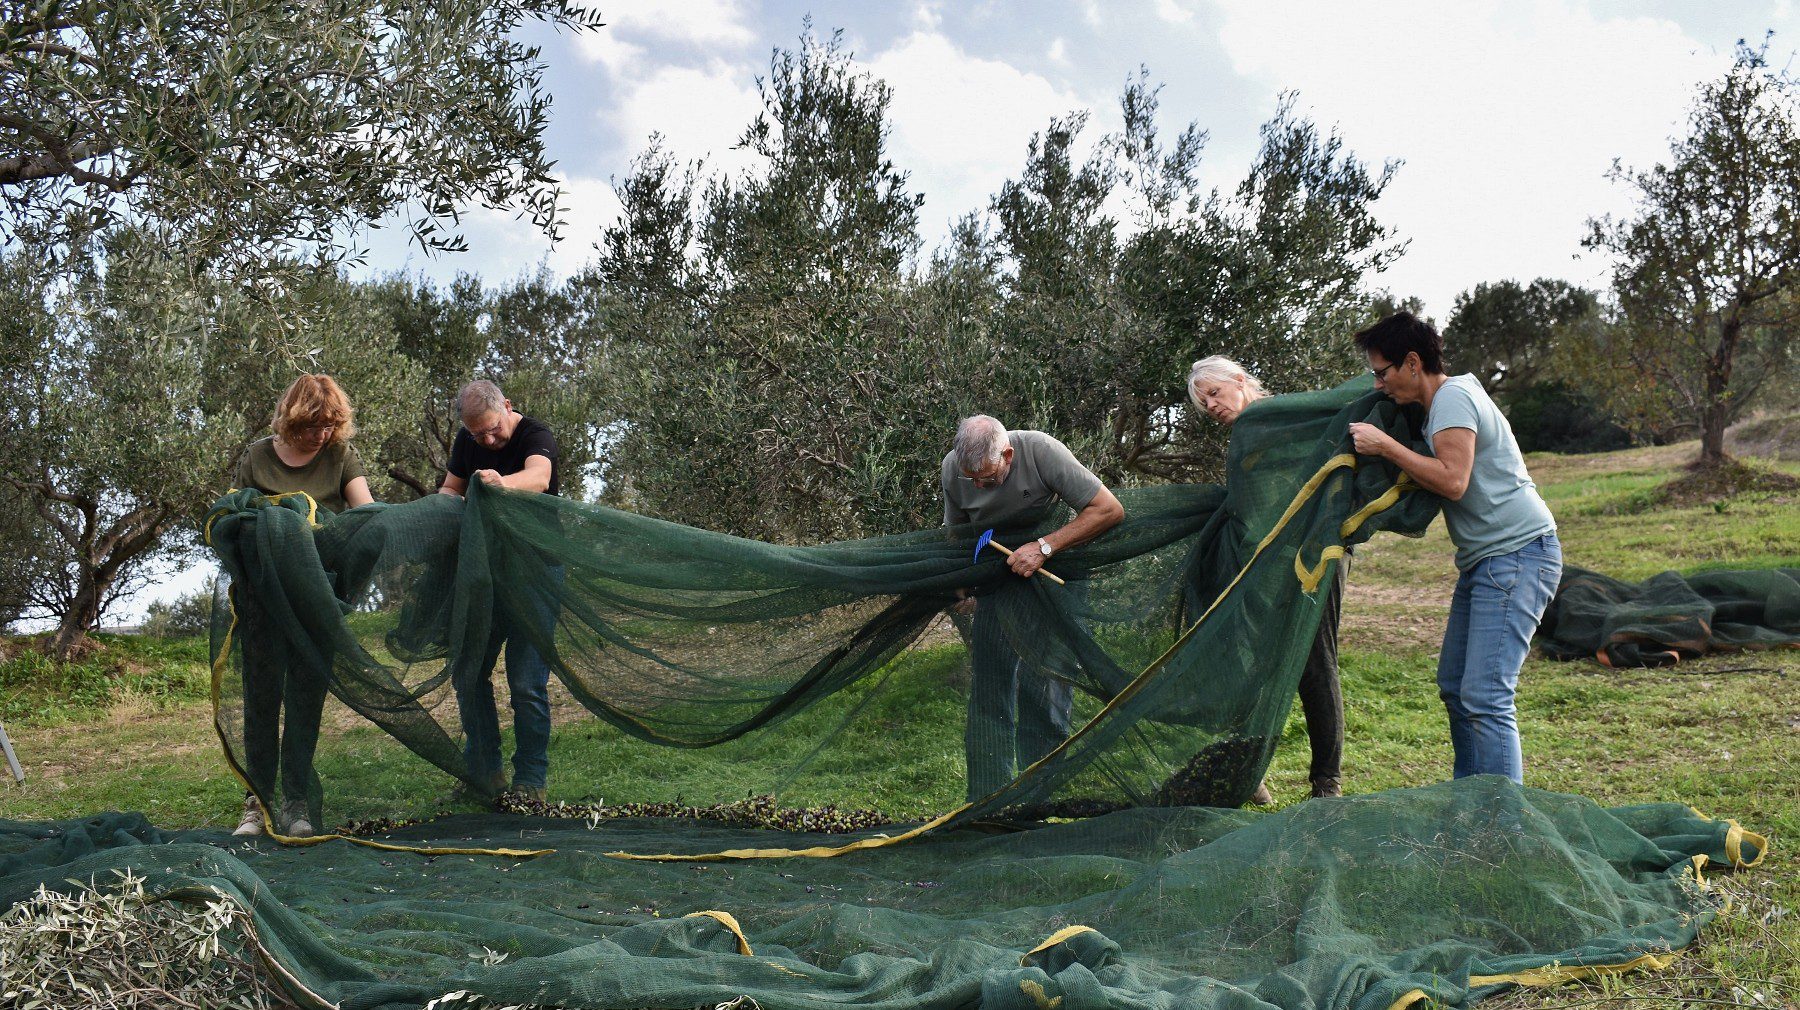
(1045, 572)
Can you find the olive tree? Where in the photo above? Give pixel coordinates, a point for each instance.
(235, 130)
(1511, 335)
(131, 392)
(1707, 266)
(778, 363)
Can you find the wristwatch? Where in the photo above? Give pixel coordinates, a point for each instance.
(1044, 546)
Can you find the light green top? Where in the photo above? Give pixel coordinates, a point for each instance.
(1501, 511)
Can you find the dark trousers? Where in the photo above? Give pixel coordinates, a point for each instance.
(272, 684)
(528, 682)
(1016, 715)
(1321, 699)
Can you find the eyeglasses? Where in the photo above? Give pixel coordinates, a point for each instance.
(1381, 373)
(987, 481)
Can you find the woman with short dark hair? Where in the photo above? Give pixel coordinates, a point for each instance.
(1507, 555)
(309, 451)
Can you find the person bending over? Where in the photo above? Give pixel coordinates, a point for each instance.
(309, 451)
(1508, 559)
(995, 478)
(503, 448)
(1220, 387)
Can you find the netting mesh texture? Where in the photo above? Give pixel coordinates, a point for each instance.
(1182, 632)
(1449, 891)
(1670, 617)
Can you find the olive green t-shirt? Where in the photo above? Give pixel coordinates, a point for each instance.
(323, 478)
(1043, 470)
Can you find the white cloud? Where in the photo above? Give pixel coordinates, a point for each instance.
(1173, 12)
(1507, 116)
(682, 68)
(610, 50)
(961, 122)
(700, 110)
(1090, 12)
(589, 206)
(502, 246)
(1059, 51)
(705, 25)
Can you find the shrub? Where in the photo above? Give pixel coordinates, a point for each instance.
(1551, 417)
(180, 617)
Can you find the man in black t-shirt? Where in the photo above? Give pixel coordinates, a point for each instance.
(503, 448)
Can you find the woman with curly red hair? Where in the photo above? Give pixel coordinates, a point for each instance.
(309, 451)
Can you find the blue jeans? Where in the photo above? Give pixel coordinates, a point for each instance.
(528, 681)
(1494, 613)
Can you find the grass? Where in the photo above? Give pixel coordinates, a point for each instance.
(131, 729)
(120, 671)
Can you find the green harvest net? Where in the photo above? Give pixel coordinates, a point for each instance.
(1669, 617)
(1369, 902)
(1183, 630)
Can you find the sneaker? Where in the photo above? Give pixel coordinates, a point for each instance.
(293, 820)
(252, 824)
(1327, 786)
(1262, 797)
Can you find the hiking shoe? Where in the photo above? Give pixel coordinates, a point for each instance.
(252, 824)
(1262, 797)
(532, 793)
(293, 820)
(483, 793)
(1327, 786)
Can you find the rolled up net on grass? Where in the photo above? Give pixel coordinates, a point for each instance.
(1183, 629)
(1448, 892)
(1670, 617)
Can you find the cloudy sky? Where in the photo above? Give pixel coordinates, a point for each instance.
(1506, 116)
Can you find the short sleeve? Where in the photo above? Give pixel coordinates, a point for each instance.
(1453, 407)
(459, 455)
(539, 442)
(353, 465)
(1072, 482)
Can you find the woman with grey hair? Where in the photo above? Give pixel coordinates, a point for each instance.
(1222, 389)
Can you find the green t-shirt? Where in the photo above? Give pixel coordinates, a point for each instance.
(323, 478)
(1501, 511)
(1043, 470)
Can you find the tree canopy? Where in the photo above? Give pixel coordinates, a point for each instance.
(235, 130)
(779, 365)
